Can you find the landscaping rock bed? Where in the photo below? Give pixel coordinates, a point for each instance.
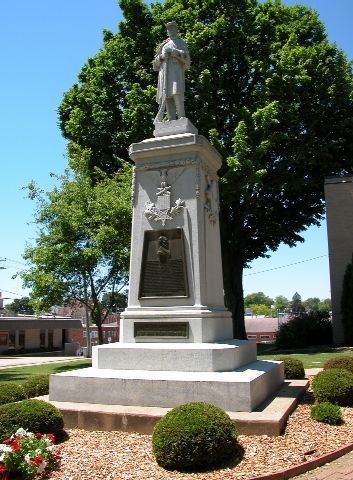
(126, 456)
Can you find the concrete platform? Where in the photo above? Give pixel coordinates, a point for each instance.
(241, 390)
(268, 419)
(223, 356)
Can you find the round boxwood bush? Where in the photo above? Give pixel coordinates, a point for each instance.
(36, 386)
(194, 436)
(293, 368)
(11, 392)
(340, 362)
(32, 415)
(334, 385)
(326, 412)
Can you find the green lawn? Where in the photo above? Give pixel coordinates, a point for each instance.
(18, 374)
(310, 359)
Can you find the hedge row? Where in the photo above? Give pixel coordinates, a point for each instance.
(14, 392)
(32, 415)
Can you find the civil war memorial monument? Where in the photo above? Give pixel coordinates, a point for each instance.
(176, 338)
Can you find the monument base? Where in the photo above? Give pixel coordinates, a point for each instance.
(223, 356)
(174, 127)
(203, 324)
(241, 390)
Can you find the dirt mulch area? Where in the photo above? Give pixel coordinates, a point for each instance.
(126, 456)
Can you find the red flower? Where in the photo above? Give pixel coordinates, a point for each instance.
(15, 446)
(8, 440)
(38, 435)
(38, 460)
(2, 468)
(51, 437)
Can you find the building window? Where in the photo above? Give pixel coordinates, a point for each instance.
(12, 339)
(42, 339)
(264, 338)
(21, 339)
(3, 339)
(84, 334)
(251, 337)
(50, 339)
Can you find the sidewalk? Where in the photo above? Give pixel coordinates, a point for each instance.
(26, 360)
(339, 469)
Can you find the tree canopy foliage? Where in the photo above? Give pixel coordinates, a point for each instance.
(116, 301)
(281, 303)
(81, 249)
(265, 86)
(257, 298)
(20, 306)
(315, 304)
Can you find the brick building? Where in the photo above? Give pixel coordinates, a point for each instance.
(262, 330)
(64, 331)
(110, 326)
(110, 334)
(30, 333)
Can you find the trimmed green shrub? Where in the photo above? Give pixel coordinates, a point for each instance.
(326, 412)
(194, 436)
(340, 362)
(32, 415)
(334, 385)
(11, 392)
(293, 368)
(305, 329)
(36, 386)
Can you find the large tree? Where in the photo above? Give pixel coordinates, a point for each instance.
(257, 298)
(281, 303)
(265, 86)
(20, 306)
(81, 250)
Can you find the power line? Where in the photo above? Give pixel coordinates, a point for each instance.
(13, 261)
(12, 293)
(284, 266)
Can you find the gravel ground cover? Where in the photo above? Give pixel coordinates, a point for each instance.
(126, 456)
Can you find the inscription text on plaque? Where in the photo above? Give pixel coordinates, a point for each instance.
(159, 329)
(163, 272)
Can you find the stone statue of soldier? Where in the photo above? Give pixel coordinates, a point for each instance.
(171, 61)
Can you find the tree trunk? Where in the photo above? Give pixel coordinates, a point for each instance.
(97, 310)
(100, 333)
(233, 289)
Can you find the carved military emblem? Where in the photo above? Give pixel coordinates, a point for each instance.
(163, 211)
(210, 200)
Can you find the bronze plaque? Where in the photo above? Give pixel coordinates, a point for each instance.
(163, 272)
(165, 329)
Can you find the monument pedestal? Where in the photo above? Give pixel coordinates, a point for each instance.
(241, 390)
(176, 341)
(176, 265)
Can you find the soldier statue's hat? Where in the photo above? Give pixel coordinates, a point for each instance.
(171, 25)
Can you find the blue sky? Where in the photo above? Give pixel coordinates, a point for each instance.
(44, 45)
